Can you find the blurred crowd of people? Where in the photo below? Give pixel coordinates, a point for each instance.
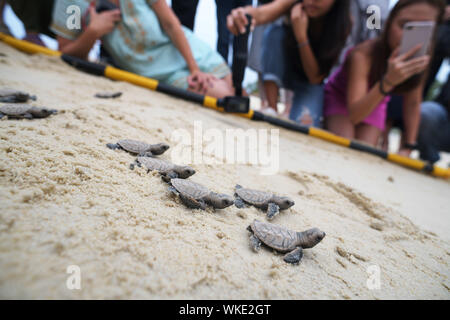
(342, 74)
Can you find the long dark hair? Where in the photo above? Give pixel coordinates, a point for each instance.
(327, 46)
(335, 30)
(381, 50)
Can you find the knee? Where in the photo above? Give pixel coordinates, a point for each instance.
(431, 115)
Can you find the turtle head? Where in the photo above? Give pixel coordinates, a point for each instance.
(160, 148)
(185, 172)
(42, 112)
(311, 237)
(221, 201)
(284, 202)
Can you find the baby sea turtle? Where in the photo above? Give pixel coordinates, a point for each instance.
(167, 169)
(8, 95)
(263, 200)
(283, 240)
(24, 111)
(108, 95)
(196, 196)
(139, 148)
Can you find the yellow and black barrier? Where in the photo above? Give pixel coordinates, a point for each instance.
(218, 104)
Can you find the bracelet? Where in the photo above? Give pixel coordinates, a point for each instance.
(302, 44)
(383, 92)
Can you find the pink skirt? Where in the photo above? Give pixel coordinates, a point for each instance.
(335, 104)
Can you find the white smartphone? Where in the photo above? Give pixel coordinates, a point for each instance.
(417, 32)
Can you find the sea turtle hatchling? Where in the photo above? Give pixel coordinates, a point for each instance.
(196, 196)
(283, 240)
(140, 148)
(167, 169)
(24, 111)
(263, 200)
(8, 95)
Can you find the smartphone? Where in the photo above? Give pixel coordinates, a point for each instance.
(417, 32)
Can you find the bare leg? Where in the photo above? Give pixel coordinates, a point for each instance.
(262, 93)
(341, 126)
(271, 90)
(368, 134)
(387, 130)
(288, 96)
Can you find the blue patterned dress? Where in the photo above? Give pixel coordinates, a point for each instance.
(138, 43)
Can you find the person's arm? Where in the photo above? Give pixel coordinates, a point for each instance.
(360, 103)
(237, 21)
(172, 26)
(411, 117)
(300, 20)
(100, 25)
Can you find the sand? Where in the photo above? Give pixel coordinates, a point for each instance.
(65, 199)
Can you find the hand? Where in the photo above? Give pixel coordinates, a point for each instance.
(103, 23)
(401, 69)
(200, 81)
(300, 21)
(237, 21)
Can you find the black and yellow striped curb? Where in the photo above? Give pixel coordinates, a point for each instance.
(218, 105)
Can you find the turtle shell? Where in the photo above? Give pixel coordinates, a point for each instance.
(189, 188)
(255, 197)
(7, 92)
(134, 146)
(155, 164)
(15, 109)
(274, 236)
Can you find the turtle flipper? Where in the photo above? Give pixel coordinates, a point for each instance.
(238, 202)
(113, 146)
(294, 256)
(148, 154)
(272, 210)
(192, 203)
(255, 243)
(2, 115)
(28, 116)
(173, 191)
(134, 164)
(167, 176)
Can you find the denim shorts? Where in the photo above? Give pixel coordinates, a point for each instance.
(282, 65)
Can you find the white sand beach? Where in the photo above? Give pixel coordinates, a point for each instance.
(66, 199)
